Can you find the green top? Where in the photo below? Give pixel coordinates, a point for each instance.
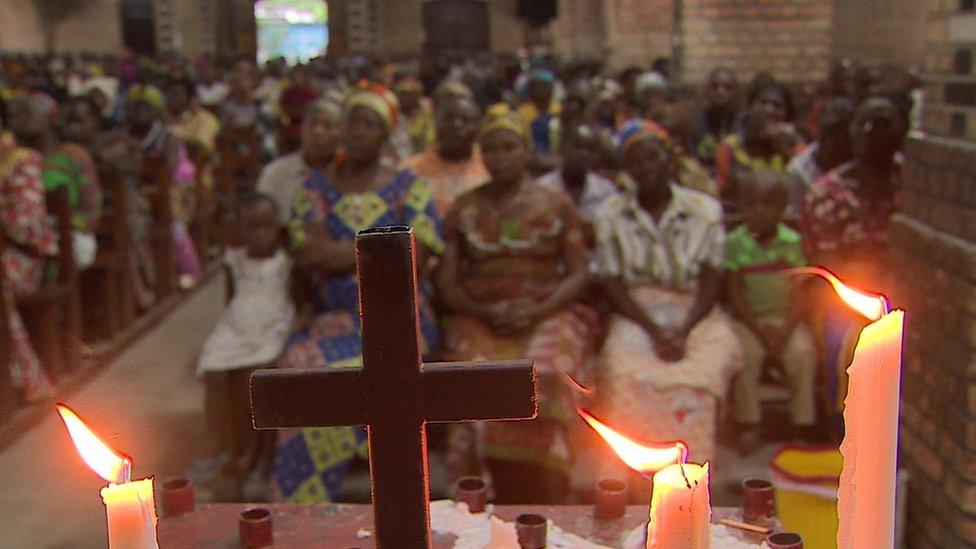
(764, 280)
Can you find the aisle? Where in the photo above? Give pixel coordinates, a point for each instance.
(147, 403)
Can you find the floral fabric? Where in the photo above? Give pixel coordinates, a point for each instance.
(25, 223)
(310, 464)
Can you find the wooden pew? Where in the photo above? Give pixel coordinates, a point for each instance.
(9, 399)
(240, 165)
(108, 285)
(203, 228)
(52, 314)
(157, 181)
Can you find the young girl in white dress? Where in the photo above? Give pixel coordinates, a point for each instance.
(250, 334)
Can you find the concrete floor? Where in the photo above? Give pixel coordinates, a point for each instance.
(149, 404)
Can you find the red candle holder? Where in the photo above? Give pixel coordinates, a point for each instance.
(611, 499)
(177, 497)
(759, 502)
(256, 528)
(785, 540)
(532, 531)
(473, 491)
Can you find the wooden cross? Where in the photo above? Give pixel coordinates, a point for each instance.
(395, 394)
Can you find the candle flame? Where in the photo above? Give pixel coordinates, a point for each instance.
(872, 306)
(107, 463)
(643, 458)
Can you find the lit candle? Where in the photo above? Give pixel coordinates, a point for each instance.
(866, 496)
(681, 512)
(129, 505)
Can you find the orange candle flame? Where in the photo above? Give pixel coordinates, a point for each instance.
(872, 306)
(106, 462)
(643, 458)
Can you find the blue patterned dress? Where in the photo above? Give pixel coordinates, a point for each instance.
(310, 463)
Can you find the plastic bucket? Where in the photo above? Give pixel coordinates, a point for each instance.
(806, 480)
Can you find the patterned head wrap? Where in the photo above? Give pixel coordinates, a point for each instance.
(639, 129)
(148, 94)
(409, 85)
(44, 103)
(375, 97)
(502, 117)
(450, 89)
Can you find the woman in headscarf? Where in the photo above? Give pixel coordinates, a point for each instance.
(514, 267)
(669, 353)
(766, 141)
(354, 193)
(29, 240)
(145, 108)
(418, 115)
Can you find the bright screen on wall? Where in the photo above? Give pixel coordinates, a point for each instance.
(294, 29)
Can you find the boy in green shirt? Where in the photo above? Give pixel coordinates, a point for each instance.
(758, 255)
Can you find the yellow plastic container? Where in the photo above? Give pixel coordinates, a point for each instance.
(806, 482)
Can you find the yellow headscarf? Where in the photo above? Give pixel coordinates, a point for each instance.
(376, 98)
(501, 117)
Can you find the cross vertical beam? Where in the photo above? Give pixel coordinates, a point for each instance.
(391, 349)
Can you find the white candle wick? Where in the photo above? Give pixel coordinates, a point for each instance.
(126, 475)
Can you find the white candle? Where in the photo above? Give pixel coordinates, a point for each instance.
(130, 508)
(866, 497)
(131, 513)
(681, 512)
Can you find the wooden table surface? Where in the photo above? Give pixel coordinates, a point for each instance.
(335, 526)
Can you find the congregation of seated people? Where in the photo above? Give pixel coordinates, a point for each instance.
(638, 239)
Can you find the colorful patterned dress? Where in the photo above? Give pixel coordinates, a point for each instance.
(510, 255)
(24, 222)
(310, 463)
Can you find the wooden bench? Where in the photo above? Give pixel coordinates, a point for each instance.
(108, 302)
(240, 164)
(52, 313)
(9, 399)
(157, 181)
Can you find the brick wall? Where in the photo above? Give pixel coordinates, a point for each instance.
(790, 38)
(875, 31)
(934, 249)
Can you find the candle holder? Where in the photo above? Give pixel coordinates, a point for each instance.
(532, 531)
(177, 497)
(473, 491)
(256, 529)
(785, 540)
(611, 499)
(759, 502)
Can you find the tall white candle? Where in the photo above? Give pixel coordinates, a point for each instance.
(681, 512)
(131, 513)
(866, 497)
(130, 508)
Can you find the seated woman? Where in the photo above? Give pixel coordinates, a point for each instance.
(330, 208)
(28, 238)
(669, 354)
(766, 141)
(513, 268)
(145, 108)
(845, 225)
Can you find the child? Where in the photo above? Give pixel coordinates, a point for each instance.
(757, 255)
(249, 335)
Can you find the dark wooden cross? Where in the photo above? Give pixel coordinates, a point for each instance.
(395, 394)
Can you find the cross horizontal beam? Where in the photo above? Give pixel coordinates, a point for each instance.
(453, 391)
(308, 398)
(473, 391)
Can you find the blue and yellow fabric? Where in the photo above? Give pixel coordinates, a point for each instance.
(310, 464)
